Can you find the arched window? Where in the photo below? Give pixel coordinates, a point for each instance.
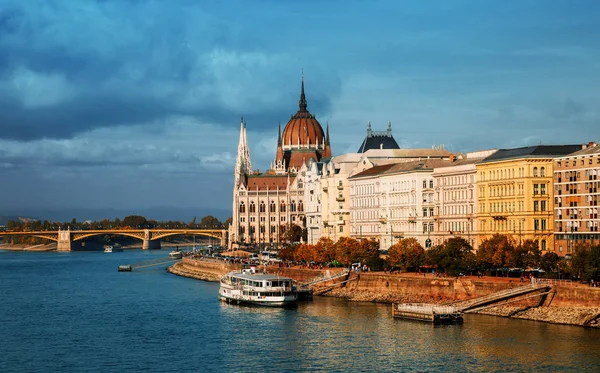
(242, 207)
(272, 207)
(282, 206)
(252, 207)
(293, 206)
(543, 171)
(300, 206)
(262, 207)
(535, 172)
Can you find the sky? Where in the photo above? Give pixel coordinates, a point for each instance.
(117, 107)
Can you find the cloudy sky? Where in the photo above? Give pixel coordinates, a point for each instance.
(133, 106)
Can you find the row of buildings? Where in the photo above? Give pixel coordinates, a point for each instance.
(546, 193)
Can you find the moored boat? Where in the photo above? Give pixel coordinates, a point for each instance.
(251, 287)
(108, 249)
(176, 254)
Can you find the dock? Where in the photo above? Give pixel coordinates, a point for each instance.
(427, 312)
(147, 263)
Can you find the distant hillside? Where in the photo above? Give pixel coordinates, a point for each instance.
(5, 219)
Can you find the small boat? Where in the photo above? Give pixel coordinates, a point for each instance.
(251, 287)
(108, 249)
(176, 254)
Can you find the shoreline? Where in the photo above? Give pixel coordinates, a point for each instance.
(562, 314)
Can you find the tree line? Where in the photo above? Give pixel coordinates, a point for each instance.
(498, 253)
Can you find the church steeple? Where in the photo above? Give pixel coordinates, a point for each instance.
(279, 136)
(302, 103)
(243, 164)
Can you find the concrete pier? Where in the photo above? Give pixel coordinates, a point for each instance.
(64, 240)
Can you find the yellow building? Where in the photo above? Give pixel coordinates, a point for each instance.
(515, 194)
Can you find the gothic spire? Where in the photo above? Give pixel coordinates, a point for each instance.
(327, 134)
(302, 103)
(279, 136)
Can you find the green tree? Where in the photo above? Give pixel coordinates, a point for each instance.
(134, 221)
(210, 222)
(496, 251)
(228, 222)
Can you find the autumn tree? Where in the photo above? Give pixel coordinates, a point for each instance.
(134, 221)
(496, 251)
(287, 252)
(406, 253)
(324, 250)
(527, 254)
(305, 253)
(345, 250)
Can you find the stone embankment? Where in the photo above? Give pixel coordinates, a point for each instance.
(573, 304)
(205, 269)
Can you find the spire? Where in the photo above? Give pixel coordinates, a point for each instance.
(279, 136)
(389, 130)
(302, 102)
(369, 129)
(327, 134)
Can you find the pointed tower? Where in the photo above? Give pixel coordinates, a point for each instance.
(327, 153)
(243, 164)
(279, 165)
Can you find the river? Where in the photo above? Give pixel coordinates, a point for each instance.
(73, 312)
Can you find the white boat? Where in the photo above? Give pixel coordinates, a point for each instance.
(108, 249)
(250, 287)
(176, 254)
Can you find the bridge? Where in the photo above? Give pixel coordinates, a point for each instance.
(150, 237)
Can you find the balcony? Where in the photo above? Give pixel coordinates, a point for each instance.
(340, 199)
(340, 187)
(412, 219)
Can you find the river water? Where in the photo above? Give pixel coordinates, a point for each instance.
(73, 312)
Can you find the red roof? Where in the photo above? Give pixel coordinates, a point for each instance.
(270, 182)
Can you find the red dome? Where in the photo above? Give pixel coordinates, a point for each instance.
(303, 128)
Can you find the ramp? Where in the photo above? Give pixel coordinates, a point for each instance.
(490, 300)
(147, 263)
(326, 278)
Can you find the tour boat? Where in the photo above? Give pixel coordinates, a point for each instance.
(108, 249)
(251, 287)
(176, 254)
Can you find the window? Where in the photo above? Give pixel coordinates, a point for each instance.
(542, 171)
(272, 207)
(242, 207)
(431, 211)
(252, 207)
(431, 183)
(424, 183)
(341, 229)
(273, 228)
(543, 188)
(425, 212)
(536, 206)
(283, 218)
(535, 172)
(293, 206)
(536, 224)
(262, 207)
(300, 206)
(543, 224)
(535, 188)
(282, 207)
(543, 205)
(544, 245)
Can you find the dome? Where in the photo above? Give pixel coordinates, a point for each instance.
(303, 128)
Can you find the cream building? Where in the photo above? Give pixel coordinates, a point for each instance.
(455, 198)
(394, 201)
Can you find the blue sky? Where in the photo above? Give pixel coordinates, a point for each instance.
(134, 105)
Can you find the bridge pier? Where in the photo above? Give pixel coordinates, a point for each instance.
(224, 238)
(64, 240)
(149, 243)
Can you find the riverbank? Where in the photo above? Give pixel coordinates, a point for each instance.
(41, 247)
(573, 304)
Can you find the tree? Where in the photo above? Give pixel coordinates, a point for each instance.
(290, 233)
(228, 222)
(210, 222)
(527, 254)
(549, 261)
(287, 253)
(406, 253)
(457, 256)
(345, 250)
(134, 221)
(496, 251)
(325, 250)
